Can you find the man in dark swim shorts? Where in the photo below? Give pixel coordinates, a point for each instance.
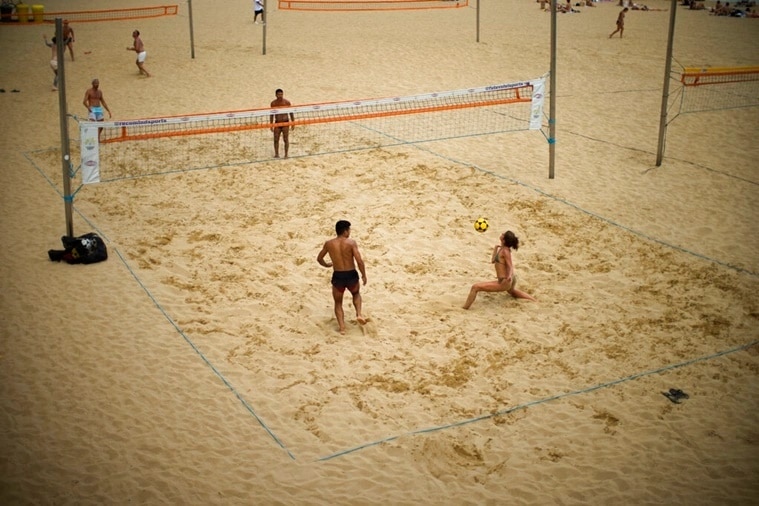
(345, 279)
(343, 251)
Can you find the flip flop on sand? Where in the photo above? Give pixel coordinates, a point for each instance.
(675, 395)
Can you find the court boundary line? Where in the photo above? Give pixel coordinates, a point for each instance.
(165, 314)
(544, 400)
(609, 221)
(422, 146)
(203, 357)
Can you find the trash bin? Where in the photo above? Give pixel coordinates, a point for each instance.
(22, 11)
(38, 13)
(6, 12)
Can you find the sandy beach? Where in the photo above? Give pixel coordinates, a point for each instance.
(201, 363)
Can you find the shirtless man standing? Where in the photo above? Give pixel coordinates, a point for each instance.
(94, 102)
(68, 37)
(139, 48)
(343, 251)
(282, 130)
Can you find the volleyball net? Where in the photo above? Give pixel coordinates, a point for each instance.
(717, 88)
(141, 147)
(369, 5)
(112, 14)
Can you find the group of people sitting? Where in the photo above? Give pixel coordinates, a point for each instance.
(725, 9)
(566, 7)
(719, 8)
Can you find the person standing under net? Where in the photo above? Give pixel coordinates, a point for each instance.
(280, 123)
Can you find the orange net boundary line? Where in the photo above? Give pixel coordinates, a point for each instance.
(369, 5)
(125, 135)
(695, 76)
(118, 14)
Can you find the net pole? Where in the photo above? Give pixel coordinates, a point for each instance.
(266, 23)
(665, 88)
(552, 106)
(478, 20)
(192, 30)
(63, 112)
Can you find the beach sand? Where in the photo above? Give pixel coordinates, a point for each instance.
(201, 364)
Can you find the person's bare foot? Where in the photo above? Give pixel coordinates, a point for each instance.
(362, 320)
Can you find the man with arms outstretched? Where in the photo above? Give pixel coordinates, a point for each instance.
(343, 251)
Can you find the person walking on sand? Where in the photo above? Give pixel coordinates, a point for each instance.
(258, 10)
(504, 271)
(53, 60)
(94, 102)
(620, 23)
(139, 48)
(279, 123)
(343, 251)
(68, 37)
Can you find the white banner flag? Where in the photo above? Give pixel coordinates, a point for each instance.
(90, 154)
(538, 96)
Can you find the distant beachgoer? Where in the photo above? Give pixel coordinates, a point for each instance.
(53, 60)
(258, 10)
(68, 37)
(643, 7)
(620, 23)
(142, 55)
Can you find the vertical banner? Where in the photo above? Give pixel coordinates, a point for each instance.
(538, 96)
(90, 154)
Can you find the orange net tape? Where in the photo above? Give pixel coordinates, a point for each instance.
(697, 76)
(369, 5)
(126, 135)
(113, 14)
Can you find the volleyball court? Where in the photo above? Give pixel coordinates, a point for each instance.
(270, 226)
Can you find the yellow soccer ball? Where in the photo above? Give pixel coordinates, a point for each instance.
(481, 224)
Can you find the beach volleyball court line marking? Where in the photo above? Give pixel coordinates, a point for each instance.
(204, 358)
(420, 146)
(591, 213)
(689, 162)
(189, 341)
(541, 401)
